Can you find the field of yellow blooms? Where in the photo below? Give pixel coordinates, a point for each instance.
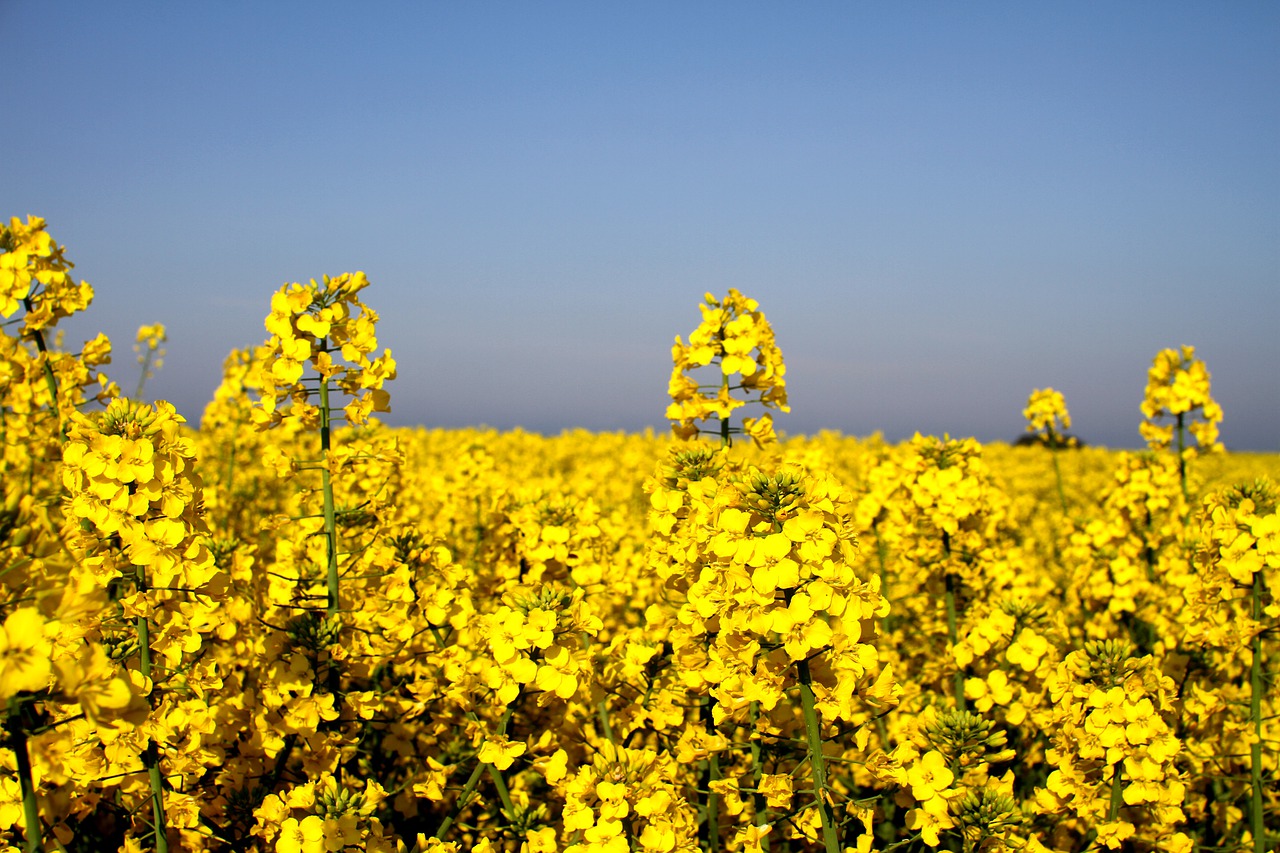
(297, 629)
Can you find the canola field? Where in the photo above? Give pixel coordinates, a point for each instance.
(279, 625)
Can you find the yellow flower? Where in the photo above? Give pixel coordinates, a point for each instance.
(500, 752)
(305, 836)
(777, 789)
(930, 777)
(1112, 834)
(928, 824)
(25, 653)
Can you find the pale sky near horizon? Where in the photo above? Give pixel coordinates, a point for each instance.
(939, 206)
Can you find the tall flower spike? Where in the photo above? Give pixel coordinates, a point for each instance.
(1178, 388)
(1047, 417)
(325, 326)
(735, 336)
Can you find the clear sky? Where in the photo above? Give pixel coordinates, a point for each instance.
(939, 206)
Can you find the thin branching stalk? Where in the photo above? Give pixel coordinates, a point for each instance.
(1117, 793)
(26, 780)
(817, 762)
(326, 484)
(467, 790)
(712, 774)
(474, 779)
(504, 794)
(151, 755)
(1255, 716)
(145, 374)
(762, 813)
(50, 381)
(1182, 459)
(1054, 450)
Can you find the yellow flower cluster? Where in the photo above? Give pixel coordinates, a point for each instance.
(34, 274)
(735, 336)
(766, 578)
(35, 381)
(310, 324)
(1113, 749)
(1178, 387)
(130, 475)
(1047, 416)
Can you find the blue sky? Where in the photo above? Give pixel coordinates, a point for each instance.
(939, 206)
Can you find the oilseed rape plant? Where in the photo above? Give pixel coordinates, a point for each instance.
(294, 628)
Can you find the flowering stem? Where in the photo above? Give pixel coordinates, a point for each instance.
(503, 794)
(151, 755)
(712, 825)
(958, 682)
(1182, 460)
(326, 483)
(49, 379)
(1255, 715)
(1057, 471)
(817, 763)
(1117, 793)
(763, 818)
(26, 781)
(472, 781)
(144, 375)
(467, 790)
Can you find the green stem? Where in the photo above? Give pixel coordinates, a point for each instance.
(763, 815)
(602, 710)
(1182, 460)
(326, 483)
(1117, 793)
(1057, 472)
(958, 679)
(26, 781)
(1255, 715)
(503, 793)
(142, 377)
(712, 824)
(474, 779)
(725, 441)
(817, 762)
(50, 381)
(151, 755)
(461, 802)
